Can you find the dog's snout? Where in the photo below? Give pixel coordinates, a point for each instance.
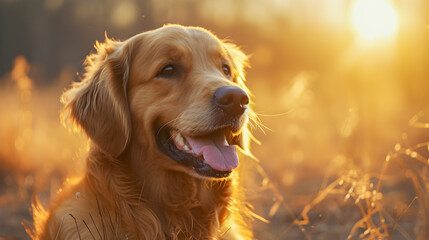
(232, 100)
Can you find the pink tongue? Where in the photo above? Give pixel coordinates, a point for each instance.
(214, 151)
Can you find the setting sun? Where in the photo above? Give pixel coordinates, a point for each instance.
(374, 18)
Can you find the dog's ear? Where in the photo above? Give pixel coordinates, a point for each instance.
(99, 103)
(240, 62)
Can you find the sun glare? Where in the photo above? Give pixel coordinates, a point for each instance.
(374, 18)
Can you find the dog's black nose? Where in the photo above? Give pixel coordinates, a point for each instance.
(232, 100)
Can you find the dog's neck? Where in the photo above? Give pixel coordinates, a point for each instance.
(191, 207)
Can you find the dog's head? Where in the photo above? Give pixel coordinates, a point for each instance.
(178, 91)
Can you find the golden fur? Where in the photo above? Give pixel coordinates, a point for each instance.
(130, 190)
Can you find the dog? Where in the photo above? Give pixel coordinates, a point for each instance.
(166, 112)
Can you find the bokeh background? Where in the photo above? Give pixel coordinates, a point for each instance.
(341, 89)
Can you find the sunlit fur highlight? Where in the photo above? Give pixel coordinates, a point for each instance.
(129, 189)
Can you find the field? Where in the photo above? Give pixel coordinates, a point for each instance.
(344, 123)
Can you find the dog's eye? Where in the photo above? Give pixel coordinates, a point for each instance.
(226, 70)
(168, 72)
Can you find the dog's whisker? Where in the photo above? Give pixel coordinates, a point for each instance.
(273, 115)
(262, 126)
(251, 125)
(256, 121)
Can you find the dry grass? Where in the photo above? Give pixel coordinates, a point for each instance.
(37, 153)
(391, 203)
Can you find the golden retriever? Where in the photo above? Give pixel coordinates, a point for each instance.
(164, 111)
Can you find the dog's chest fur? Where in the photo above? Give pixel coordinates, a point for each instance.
(196, 214)
(176, 207)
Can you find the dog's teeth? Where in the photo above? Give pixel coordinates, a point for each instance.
(179, 139)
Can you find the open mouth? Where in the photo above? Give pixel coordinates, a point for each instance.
(211, 154)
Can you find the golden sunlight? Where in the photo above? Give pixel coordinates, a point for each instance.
(374, 18)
